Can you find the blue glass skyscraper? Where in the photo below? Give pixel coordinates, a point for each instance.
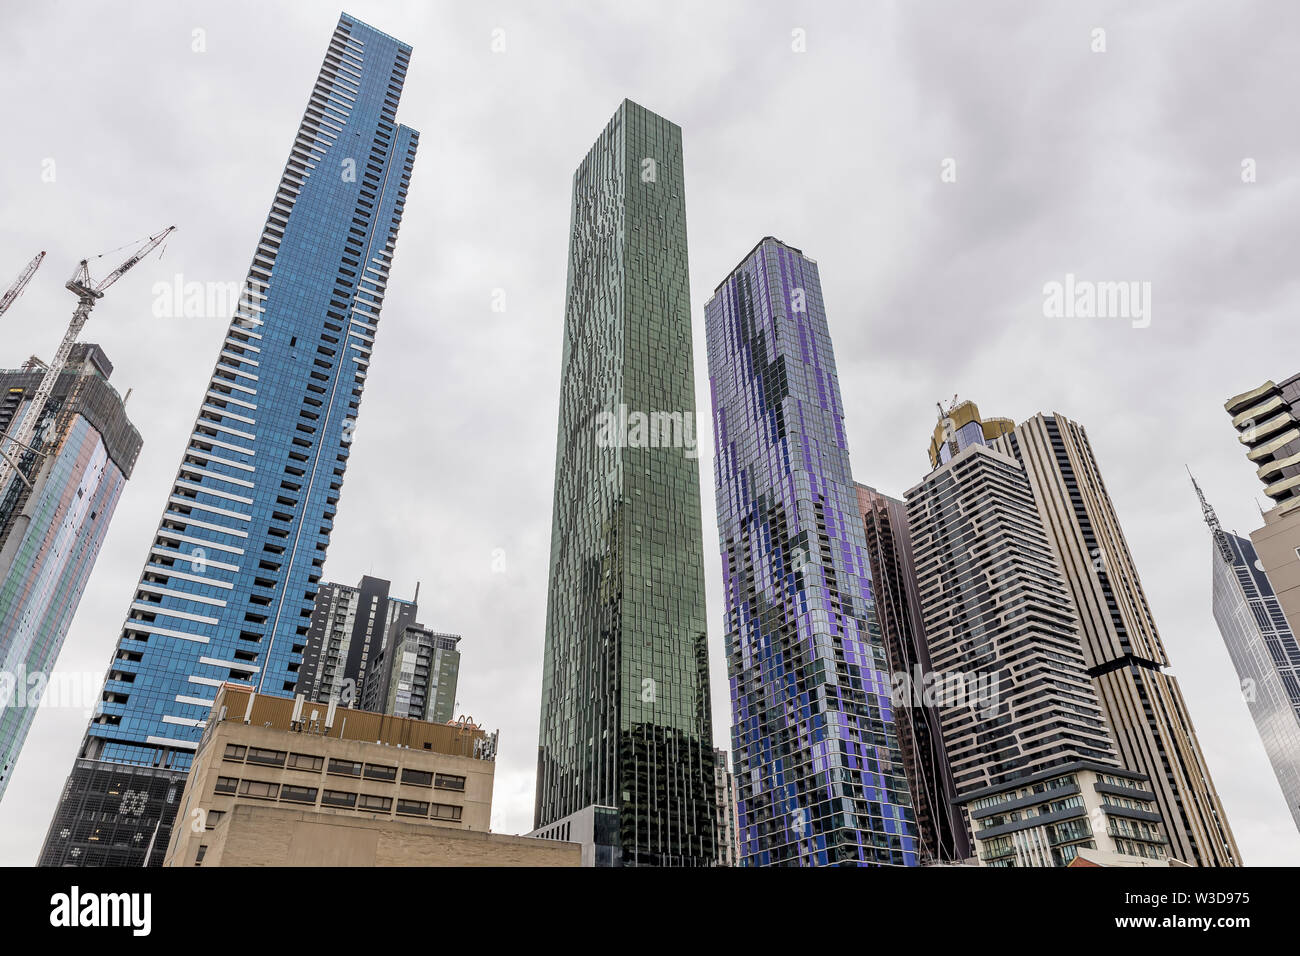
(1263, 649)
(818, 770)
(230, 581)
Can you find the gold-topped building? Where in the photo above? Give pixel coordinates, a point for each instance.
(1123, 651)
(961, 426)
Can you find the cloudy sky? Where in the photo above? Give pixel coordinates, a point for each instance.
(1125, 164)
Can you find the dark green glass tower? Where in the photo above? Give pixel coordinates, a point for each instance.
(625, 689)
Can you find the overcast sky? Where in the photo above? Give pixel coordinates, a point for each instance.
(1116, 165)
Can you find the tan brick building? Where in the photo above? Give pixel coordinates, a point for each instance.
(277, 781)
(271, 835)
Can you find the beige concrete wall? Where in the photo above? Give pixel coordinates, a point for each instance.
(200, 798)
(1276, 545)
(275, 836)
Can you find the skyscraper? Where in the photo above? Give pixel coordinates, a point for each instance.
(819, 775)
(941, 828)
(347, 631)
(51, 532)
(1033, 760)
(1263, 649)
(1122, 649)
(414, 674)
(231, 578)
(625, 717)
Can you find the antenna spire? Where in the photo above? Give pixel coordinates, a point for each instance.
(1212, 521)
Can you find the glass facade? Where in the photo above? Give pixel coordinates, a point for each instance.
(1264, 652)
(230, 582)
(625, 694)
(819, 774)
(51, 533)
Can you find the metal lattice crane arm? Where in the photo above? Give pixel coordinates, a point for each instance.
(20, 283)
(20, 436)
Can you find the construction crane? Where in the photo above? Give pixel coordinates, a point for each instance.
(20, 283)
(88, 293)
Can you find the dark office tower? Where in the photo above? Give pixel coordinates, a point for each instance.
(941, 828)
(625, 687)
(1033, 760)
(51, 528)
(818, 771)
(347, 631)
(1122, 648)
(231, 577)
(1263, 649)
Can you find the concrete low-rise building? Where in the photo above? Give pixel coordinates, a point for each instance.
(251, 835)
(351, 782)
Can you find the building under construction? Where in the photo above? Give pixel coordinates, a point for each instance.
(53, 518)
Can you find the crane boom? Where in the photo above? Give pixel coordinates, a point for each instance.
(20, 283)
(88, 293)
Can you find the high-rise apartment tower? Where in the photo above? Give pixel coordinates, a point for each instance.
(231, 577)
(819, 775)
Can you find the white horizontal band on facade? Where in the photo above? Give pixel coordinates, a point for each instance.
(208, 456)
(196, 578)
(190, 558)
(196, 701)
(204, 489)
(233, 665)
(158, 609)
(188, 520)
(182, 721)
(200, 472)
(228, 548)
(223, 397)
(211, 509)
(131, 625)
(149, 587)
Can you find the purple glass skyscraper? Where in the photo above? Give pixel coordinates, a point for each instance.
(819, 775)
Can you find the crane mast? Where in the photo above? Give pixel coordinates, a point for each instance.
(20, 283)
(88, 293)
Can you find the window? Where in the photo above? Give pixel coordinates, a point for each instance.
(447, 781)
(235, 752)
(371, 802)
(345, 768)
(445, 811)
(267, 758)
(226, 785)
(291, 794)
(380, 772)
(212, 818)
(259, 788)
(418, 778)
(413, 808)
(203, 851)
(338, 798)
(305, 762)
